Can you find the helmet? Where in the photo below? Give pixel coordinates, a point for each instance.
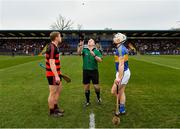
(119, 38)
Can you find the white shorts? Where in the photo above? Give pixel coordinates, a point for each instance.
(126, 76)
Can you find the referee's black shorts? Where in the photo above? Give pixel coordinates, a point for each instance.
(90, 75)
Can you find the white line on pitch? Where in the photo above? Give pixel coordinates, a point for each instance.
(19, 65)
(172, 67)
(92, 121)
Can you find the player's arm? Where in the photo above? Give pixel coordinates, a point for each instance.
(80, 47)
(121, 70)
(121, 67)
(53, 67)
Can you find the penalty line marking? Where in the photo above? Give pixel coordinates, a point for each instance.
(172, 67)
(92, 121)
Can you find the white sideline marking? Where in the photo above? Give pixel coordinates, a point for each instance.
(19, 65)
(92, 121)
(172, 67)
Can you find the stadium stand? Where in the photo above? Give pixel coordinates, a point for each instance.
(29, 42)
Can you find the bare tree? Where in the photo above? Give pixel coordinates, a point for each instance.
(107, 28)
(62, 24)
(79, 26)
(176, 26)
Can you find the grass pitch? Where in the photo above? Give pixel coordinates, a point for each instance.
(153, 93)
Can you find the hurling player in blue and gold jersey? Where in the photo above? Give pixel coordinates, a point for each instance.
(122, 70)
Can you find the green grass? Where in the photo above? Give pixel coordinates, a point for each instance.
(8, 61)
(167, 60)
(153, 94)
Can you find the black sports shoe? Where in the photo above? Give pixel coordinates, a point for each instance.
(59, 110)
(87, 104)
(55, 114)
(99, 101)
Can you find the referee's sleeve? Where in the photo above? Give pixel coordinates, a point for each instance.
(99, 54)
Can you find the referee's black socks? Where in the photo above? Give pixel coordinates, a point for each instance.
(97, 93)
(87, 94)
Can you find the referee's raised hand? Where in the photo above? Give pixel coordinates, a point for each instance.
(80, 47)
(81, 43)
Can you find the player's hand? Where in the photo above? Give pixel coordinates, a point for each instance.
(57, 79)
(117, 81)
(92, 53)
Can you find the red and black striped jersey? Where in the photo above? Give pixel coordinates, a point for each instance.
(52, 52)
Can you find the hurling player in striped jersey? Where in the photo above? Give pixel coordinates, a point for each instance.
(53, 74)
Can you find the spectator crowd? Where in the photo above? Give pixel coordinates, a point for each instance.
(142, 46)
(158, 46)
(22, 46)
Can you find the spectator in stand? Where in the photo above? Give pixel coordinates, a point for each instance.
(143, 46)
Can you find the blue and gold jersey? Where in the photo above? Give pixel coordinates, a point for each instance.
(123, 52)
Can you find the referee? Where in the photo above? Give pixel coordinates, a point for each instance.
(91, 57)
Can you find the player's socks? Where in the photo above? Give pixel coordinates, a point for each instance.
(122, 109)
(56, 106)
(87, 94)
(57, 109)
(51, 111)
